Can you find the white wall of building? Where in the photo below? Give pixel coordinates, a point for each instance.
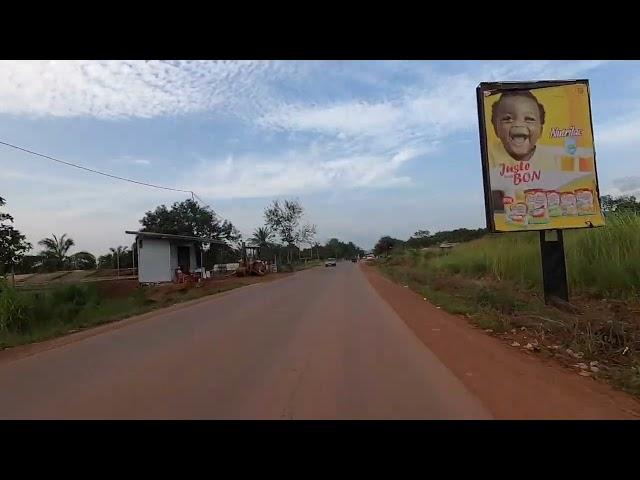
(154, 258)
(158, 259)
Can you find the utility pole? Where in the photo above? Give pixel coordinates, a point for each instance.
(118, 262)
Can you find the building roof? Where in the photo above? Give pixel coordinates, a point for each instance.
(168, 236)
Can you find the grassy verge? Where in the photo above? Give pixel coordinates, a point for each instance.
(33, 315)
(601, 262)
(309, 264)
(495, 282)
(298, 266)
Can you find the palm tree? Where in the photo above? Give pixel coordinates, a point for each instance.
(261, 237)
(117, 253)
(57, 248)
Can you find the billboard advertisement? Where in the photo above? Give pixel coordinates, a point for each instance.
(538, 156)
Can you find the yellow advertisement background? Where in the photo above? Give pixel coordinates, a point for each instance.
(565, 106)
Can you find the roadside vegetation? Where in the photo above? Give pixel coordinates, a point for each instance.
(62, 300)
(34, 314)
(496, 282)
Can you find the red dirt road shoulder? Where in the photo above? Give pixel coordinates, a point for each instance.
(512, 384)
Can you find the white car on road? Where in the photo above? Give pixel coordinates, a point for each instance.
(331, 262)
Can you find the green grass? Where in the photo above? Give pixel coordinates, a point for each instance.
(297, 266)
(32, 315)
(496, 282)
(29, 316)
(601, 261)
(310, 264)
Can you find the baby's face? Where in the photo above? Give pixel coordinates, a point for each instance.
(518, 126)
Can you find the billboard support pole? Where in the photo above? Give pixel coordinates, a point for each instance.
(554, 268)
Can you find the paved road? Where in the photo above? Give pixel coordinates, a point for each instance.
(320, 344)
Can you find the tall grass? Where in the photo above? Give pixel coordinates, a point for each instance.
(21, 312)
(29, 315)
(601, 261)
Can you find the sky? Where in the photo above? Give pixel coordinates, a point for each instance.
(370, 148)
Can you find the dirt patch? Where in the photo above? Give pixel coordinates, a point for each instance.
(42, 278)
(513, 382)
(112, 272)
(605, 331)
(74, 276)
(170, 291)
(116, 288)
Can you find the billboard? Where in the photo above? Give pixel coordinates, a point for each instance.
(538, 157)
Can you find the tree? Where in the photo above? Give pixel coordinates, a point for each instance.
(306, 234)
(624, 203)
(335, 247)
(386, 244)
(28, 264)
(56, 250)
(105, 261)
(83, 261)
(13, 245)
(284, 219)
(189, 218)
(458, 235)
(338, 249)
(421, 234)
(261, 237)
(117, 255)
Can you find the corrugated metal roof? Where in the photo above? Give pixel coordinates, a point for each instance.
(168, 236)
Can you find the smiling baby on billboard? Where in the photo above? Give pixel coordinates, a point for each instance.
(538, 154)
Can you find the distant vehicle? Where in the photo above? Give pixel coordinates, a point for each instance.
(354, 259)
(331, 262)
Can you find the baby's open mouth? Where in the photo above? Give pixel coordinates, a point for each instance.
(519, 137)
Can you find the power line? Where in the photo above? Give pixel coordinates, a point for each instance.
(201, 200)
(95, 171)
(206, 204)
(193, 194)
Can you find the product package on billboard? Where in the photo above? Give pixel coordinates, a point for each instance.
(538, 156)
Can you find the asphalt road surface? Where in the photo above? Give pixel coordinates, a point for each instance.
(320, 344)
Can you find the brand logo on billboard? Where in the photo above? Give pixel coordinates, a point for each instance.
(566, 132)
(520, 172)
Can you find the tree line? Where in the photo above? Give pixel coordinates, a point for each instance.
(285, 231)
(424, 238)
(286, 236)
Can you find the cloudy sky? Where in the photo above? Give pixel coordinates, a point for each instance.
(370, 148)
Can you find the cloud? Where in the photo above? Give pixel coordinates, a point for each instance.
(117, 89)
(441, 105)
(619, 132)
(351, 118)
(141, 161)
(627, 184)
(146, 89)
(447, 107)
(307, 171)
(525, 70)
